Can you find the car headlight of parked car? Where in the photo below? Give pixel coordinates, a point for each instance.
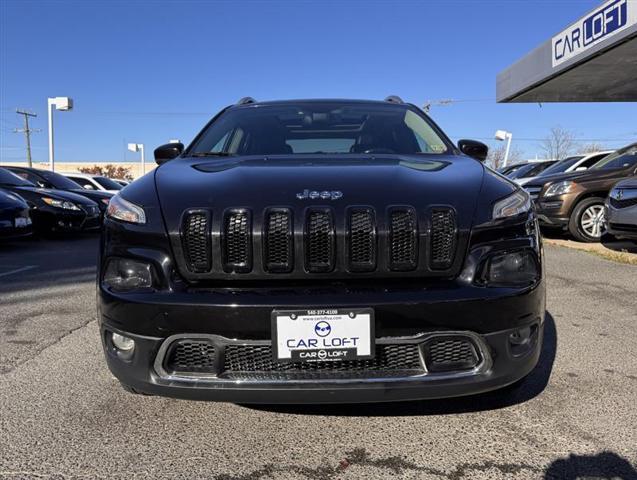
(57, 203)
(515, 204)
(559, 188)
(123, 210)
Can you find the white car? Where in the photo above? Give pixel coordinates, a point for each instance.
(576, 163)
(94, 182)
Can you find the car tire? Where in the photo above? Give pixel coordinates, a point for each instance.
(583, 224)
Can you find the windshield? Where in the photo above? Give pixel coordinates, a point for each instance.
(11, 179)
(58, 181)
(530, 170)
(562, 165)
(320, 128)
(107, 183)
(624, 158)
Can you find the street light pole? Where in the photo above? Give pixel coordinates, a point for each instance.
(139, 147)
(502, 135)
(51, 102)
(60, 103)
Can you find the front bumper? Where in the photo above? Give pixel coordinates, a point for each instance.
(487, 316)
(500, 368)
(621, 222)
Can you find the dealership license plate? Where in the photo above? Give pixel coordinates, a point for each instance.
(22, 222)
(323, 335)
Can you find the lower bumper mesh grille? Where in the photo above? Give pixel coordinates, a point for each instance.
(445, 354)
(233, 361)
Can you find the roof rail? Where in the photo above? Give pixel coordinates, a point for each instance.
(246, 101)
(394, 99)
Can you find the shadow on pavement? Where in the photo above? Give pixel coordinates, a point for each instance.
(531, 387)
(37, 262)
(604, 465)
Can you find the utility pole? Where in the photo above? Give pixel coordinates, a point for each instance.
(27, 131)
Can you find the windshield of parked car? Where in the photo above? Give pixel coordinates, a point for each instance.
(321, 128)
(562, 165)
(107, 183)
(530, 170)
(58, 181)
(11, 179)
(624, 158)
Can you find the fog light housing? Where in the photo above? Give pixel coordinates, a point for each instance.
(511, 269)
(124, 275)
(122, 342)
(523, 340)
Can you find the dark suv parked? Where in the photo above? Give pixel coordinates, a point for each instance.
(575, 201)
(321, 251)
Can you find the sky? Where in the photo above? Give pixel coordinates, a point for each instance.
(148, 71)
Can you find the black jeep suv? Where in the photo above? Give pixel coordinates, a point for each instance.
(321, 251)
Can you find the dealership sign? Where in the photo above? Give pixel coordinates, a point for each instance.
(608, 20)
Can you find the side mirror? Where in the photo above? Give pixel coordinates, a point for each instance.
(474, 149)
(168, 152)
(88, 186)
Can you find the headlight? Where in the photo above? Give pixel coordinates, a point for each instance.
(559, 188)
(64, 204)
(123, 274)
(513, 205)
(511, 269)
(124, 210)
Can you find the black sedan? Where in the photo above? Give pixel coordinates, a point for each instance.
(14, 216)
(55, 181)
(53, 210)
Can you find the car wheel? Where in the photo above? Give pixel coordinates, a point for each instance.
(587, 220)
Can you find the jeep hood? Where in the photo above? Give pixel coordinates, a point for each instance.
(257, 183)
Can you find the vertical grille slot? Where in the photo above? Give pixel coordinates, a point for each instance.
(237, 241)
(195, 238)
(362, 240)
(320, 245)
(403, 239)
(278, 242)
(443, 238)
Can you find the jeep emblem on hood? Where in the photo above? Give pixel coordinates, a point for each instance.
(323, 195)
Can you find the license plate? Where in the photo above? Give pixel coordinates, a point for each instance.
(322, 335)
(22, 222)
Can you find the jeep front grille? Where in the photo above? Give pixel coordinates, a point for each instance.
(278, 241)
(355, 241)
(443, 238)
(237, 243)
(362, 240)
(196, 241)
(403, 238)
(320, 241)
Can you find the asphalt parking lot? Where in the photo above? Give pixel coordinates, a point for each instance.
(64, 416)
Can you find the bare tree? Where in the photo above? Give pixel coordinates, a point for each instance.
(558, 144)
(591, 148)
(496, 156)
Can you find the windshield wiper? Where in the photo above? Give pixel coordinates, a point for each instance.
(212, 154)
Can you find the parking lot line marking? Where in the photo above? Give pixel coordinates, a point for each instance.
(18, 270)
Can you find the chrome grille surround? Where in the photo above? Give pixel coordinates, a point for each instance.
(397, 358)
